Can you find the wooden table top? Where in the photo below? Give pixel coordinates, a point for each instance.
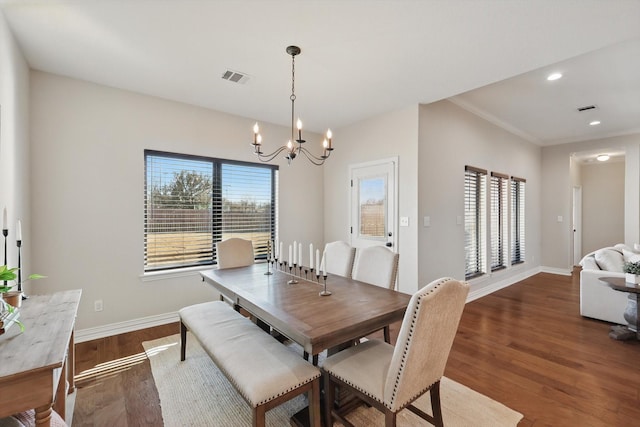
(620, 284)
(298, 311)
(48, 321)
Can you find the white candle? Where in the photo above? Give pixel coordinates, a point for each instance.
(318, 261)
(311, 256)
(268, 250)
(290, 255)
(4, 219)
(275, 249)
(19, 231)
(295, 246)
(324, 263)
(300, 254)
(281, 253)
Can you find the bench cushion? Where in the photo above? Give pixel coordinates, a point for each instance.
(258, 365)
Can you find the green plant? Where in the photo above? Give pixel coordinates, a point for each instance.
(9, 274)
(632, 267)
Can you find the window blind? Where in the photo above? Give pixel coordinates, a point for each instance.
(499, 192)
(475, 221)
(191, 202)
(517, 220)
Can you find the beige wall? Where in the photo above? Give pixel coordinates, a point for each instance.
(382, 137)
(602, 205)
(557, 242)
(450, 138)
(14, 149)
(88, 175)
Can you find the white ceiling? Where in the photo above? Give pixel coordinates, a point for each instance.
(359, 58)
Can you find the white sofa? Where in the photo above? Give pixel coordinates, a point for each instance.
(598, 300)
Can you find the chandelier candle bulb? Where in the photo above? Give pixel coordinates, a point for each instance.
(329, 136)
(299, 126)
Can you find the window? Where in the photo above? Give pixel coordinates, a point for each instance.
(499, 230)
(191, 202)
(517, 220)
(475, 221)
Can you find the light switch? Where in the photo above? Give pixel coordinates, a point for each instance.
(426, 221)
(559, 218)
(404, 221)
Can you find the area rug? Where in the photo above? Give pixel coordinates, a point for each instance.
(196, 393)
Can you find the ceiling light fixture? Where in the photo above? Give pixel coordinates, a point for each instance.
(294, 147)
(602, 157)
(594, 123)
(554, 76)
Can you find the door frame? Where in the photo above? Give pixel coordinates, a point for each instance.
(395, 162)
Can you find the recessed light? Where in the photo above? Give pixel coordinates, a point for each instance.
(554, 76)
(602, 157)
(594, 123)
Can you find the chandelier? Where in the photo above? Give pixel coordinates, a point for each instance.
(295, 146)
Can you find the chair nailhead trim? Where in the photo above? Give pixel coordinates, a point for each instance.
(406, 348)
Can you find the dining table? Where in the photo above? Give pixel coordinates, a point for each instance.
(298, 311)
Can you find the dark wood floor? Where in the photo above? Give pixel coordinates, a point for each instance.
(525, 346)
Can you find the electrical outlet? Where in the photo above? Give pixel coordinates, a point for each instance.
(97, 305)
(404, 221)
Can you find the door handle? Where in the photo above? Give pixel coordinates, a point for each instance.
(388, 244)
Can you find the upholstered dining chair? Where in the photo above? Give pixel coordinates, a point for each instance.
(391, 378)
(377, 265)
(339, 257)
(234, 252)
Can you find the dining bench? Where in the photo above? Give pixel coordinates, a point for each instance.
(262, 370)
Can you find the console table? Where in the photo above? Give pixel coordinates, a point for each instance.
(37, 364)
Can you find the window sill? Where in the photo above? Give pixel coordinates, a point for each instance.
(174, 273)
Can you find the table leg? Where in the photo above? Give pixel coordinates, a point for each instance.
(43, 415)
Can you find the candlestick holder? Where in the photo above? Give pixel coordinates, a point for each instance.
(5, 233)
(268, 273)
(325, 292)
(19, 244)
(293, 280)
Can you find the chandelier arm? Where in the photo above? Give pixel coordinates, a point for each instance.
(269, 157)
(318, 161)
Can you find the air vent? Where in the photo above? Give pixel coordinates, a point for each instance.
(587, 108)
(235, 76)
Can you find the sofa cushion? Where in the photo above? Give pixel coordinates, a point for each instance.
(609, 259)
(589, 263)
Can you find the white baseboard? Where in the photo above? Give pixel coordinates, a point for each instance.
(554, 270)
(89, 334)
(489, 289)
